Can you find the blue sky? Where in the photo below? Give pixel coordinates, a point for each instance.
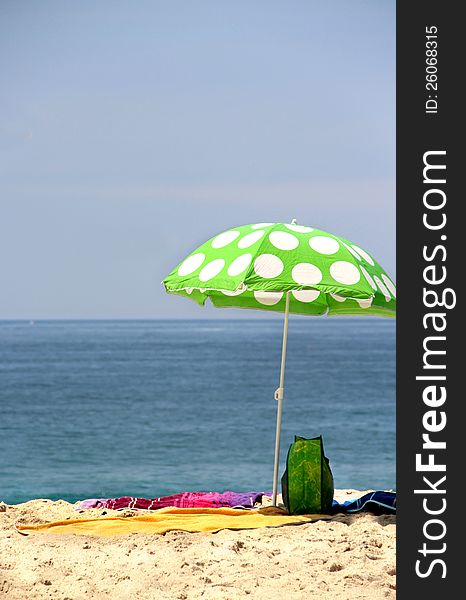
(130, 132)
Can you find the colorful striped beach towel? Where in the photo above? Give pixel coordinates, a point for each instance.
(182, 500)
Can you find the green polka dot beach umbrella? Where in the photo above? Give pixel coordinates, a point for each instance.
(288, 268)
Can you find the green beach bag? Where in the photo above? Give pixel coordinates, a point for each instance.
(307, 483)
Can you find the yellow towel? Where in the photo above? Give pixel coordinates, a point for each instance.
(169, 519)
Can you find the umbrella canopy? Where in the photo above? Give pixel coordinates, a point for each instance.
(253, 266)
(289, 268)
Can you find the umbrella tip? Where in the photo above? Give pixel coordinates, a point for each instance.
(293, 222)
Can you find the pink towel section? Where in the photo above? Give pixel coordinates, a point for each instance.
(181, 500)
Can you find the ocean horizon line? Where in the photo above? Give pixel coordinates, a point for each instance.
(277, 316)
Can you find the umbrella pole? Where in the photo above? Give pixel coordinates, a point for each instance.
(279, 398)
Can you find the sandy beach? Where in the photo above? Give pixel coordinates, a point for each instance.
(349, 557)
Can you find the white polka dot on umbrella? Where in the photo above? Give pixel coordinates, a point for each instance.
(324, 244)
(365, 302)
(305, 295)
(239, 265)
(225, 238)
(261, 225)
(268, 266)
(299, 228)
(250, 239)
(268, 298)
(191, 264)
(211, 269)
(390, 285)
(364, 254)
(368, 277)
(283, 240)
(382, 288)
(338, 298)
(352, 251)
(235, 292)
(306, 274)
(345, 272)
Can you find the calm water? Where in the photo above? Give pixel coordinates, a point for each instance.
(148, 408)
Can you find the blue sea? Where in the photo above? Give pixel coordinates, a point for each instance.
(148, 408)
